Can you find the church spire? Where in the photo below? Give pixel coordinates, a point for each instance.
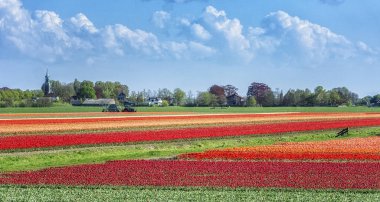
(46, 86)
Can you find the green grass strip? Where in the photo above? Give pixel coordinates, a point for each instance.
(64, 157)
(94, 194)
(61, 108)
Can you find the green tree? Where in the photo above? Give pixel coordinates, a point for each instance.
(219, 93)
(375, 100)
(76, 86)
(165, 94)
(62, 90)
(334, 98)
(262, 93)
(165, 103)
(230, 90)
(344, 95)
(289, 98)
(87, 90)
(319, 97)
(251, 102)
(179, 96)
(140, 98)
(206, 99)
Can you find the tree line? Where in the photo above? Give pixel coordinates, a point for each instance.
(258, 94)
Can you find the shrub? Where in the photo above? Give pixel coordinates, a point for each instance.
(165, 103)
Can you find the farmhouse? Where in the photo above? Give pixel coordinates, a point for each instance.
(98, 102)
(154, 101)
(122, 97)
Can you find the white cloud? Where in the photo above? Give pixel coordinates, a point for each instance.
(177, 49)
(189, 50)
(365, 48)
(110, 41)
(48, 22)
(41, 36)
(137, 39)
(231, 29)
(44, 36)
(288, 33)
(201, 51)
(82, 23)
(160, 18)
(200, 32)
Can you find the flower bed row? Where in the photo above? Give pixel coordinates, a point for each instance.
(347, 149)
(308, 175)
(38, 121)
(148, 118)
(231, 155)
(41, 141)
(45, 126)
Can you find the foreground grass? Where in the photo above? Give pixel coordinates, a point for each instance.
(75, 156)
(93, 194)
(62, 108)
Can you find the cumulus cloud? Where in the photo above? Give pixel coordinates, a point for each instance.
(284, 32)
(44, 36)
(160, 18)
(231, 29)
(40, 35)
(200, 32)
(83, 24)
(137, 39)
(189, 50)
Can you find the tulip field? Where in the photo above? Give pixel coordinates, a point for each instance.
(157, 156)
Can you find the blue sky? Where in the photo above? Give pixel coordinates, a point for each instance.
(192, 44)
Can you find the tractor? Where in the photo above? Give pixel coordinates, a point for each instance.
(128, 107)
(111, 108)
(115, 108)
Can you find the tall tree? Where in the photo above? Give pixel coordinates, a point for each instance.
(334, 98)
(76, 85)
(206, 99)
(165, 94)
(375, 100)
(62, 90)
(262, 93)
(87, 90)
(344, 95)
(179, 96)
(319, 97)
(218, 91)
(289, 98)
(230, 90)
(251, 102)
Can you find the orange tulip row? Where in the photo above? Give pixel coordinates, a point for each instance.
(346, 149)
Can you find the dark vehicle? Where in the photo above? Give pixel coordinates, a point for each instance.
(128, 107)
(115, 108)
(111, 108)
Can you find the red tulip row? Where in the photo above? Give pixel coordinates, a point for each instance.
(236, 155)
(308, 175)
(42, 141)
